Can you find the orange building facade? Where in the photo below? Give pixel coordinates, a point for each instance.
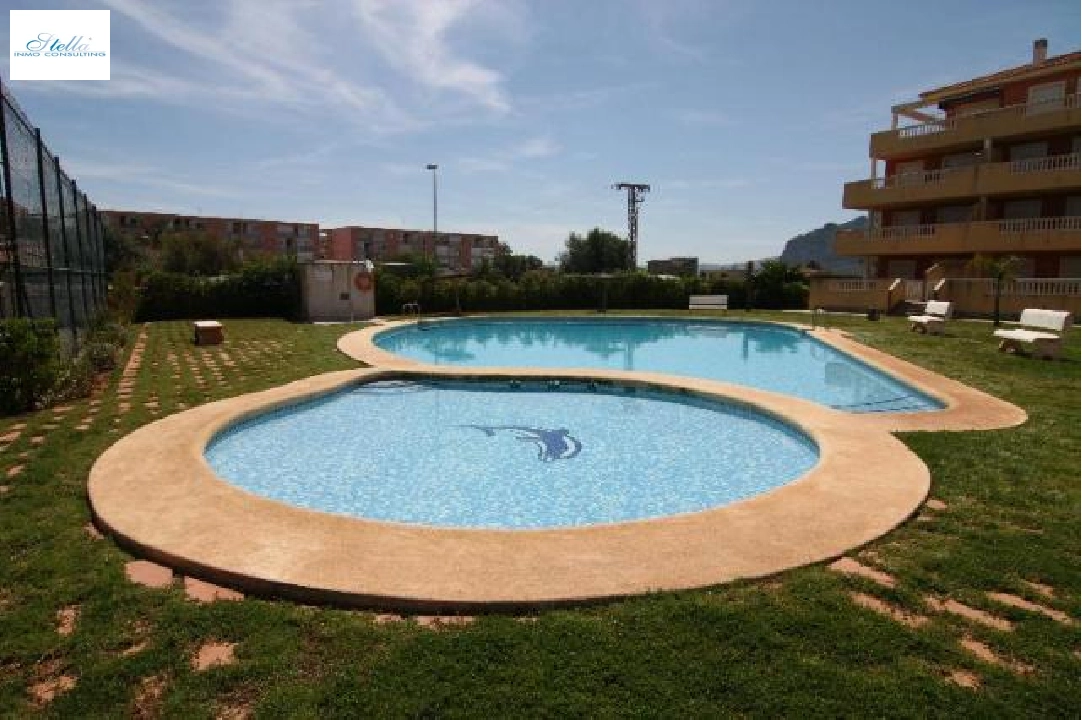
(254, 238)
(988, 166)
(456, 252)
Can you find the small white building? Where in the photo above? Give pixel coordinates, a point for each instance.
(338, 290)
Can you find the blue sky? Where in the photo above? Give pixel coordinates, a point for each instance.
(746, 116)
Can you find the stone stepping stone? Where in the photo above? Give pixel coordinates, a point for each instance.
(435, 622)
(969, 613)
(37, 440)
(206, 592)
(964, 678)
(144, 572)
(1023, 604)
(147, 700)
(65, 619)
(15, 470)
(214, 654)
(1040, 588)
(897, 614)
(92, 531)
(849, 566)
(46, 691)
(985, 653)
(11, 436)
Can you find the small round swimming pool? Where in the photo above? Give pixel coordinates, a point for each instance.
(761, 355)
(510, 454)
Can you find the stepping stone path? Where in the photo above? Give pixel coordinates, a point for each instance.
(46, 691)
(65, 619)
(969, 613)
(964, 678)
(897, 614)
(131, 372)
(849, 566)
(213, 654)
(985, 653)
(205, 592)
(144, 572)
(1023, 604)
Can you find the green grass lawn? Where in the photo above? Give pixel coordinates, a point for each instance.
(793, 644)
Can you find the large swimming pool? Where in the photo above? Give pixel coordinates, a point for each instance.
(761, 355)
(510, 454)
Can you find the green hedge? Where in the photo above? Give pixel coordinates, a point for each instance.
(29, 363)
(258, 290)
(550, 291)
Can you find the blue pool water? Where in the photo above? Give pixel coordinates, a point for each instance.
(508, 454)
(770, 357)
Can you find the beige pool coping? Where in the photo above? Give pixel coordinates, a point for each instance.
(154, 491)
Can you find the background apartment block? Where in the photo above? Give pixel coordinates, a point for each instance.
(451, 251)
(987, 166)
(254, 238)
(674, 266)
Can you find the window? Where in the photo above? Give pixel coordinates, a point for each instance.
(1028, 151)
(1020, 209)
(1046, 98)
(954, 214)
(1069, 266)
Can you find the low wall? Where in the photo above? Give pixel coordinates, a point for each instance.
(331, 292)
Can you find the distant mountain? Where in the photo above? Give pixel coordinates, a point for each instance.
(818, 245)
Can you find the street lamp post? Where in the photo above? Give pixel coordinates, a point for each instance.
(435, 228)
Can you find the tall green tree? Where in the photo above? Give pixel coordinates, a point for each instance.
(514, 267)
(197, 253)
(599, 251)
(1002, 270)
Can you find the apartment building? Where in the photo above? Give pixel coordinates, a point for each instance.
(254, 238)
(673, 266)
(987, 166)
(452, 251)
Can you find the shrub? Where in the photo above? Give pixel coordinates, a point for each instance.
(270, 289)
(29, 363)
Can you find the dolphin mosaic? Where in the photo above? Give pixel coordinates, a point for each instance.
(551, 444)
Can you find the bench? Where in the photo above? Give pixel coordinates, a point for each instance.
(1047, 344)
(207, 332)
(932, 322)
(708, 302)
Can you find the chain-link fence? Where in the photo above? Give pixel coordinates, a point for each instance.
(52, 254)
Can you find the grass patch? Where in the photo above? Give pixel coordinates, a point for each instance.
(791, 644)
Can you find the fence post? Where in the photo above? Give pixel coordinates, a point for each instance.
(22, 304)
(82, 253)
(67, 252)
(92, 264)
(45, 224)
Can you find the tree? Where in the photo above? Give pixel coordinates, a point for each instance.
(197, 253)
(514, 267)
(1001, 270)
(778, 285)
(600, 251)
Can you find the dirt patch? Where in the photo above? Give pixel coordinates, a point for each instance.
(897, 614)
(437, 622)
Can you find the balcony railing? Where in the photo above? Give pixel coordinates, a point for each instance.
(1021, 287)
(1044, 164)
(1070, 102)
(1031, 224)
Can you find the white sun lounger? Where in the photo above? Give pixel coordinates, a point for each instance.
(1046, 340)
(936, 314)
(708, 302)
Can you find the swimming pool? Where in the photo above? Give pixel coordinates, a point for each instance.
(767, 356)
(510, 454)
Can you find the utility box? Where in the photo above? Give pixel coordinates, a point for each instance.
(338, 291)
(207, 332)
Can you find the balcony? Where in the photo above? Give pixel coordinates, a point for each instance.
(1025, 119)
(1056, 172)
(1059, 234)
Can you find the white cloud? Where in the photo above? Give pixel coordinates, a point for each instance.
(414, 37)
(534, 148)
